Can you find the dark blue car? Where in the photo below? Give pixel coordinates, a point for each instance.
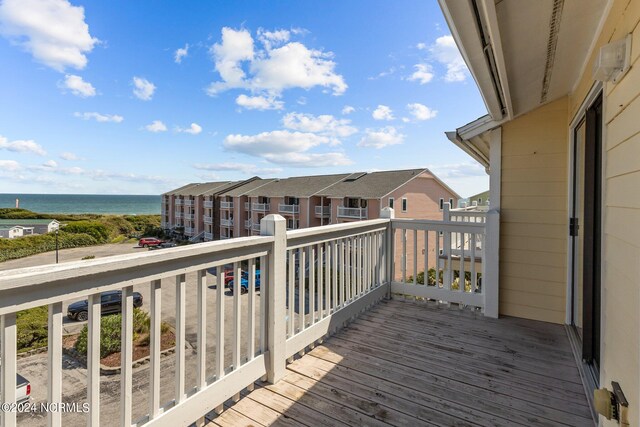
(110, 302)
(244, 282)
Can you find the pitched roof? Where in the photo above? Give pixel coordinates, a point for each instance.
(245, 188)
(371, 185)
(181, 189)
(299, 186)
(25, 222)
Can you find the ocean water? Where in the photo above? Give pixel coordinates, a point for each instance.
(84, 203)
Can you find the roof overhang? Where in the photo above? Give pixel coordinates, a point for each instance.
(474, 138)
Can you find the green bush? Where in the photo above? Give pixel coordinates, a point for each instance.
(88, 257)
(30, 245)
(32, 327)
(110, 332)
(93, 228)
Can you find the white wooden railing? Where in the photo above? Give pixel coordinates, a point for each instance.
(255, 226)
(179, 202)
(261, 207)
(179, 215)
(189, 202)
(208, 219)
(288, 208)
(189, 216)
(189, 231)
(247, 224)
(360, 213)
(323, 211)
(226, 222)
(226, 205)
(208, 236)
(313, 281)
(208, 204)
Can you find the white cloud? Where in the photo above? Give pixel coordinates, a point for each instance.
(246, 168)
(194, 129)
(21, 146)
(143, 88)
(9, 166)
(383, 112)
(445, 51)
(50, 164)
(273, 69)
(421, 46)
(273, 38)
(323, 124)
(385, 73)
(277, 142)
(312, 160)
(421, 112)
(259, 102)
(156, 126)
(78, 86)
(68, 156)
(181, 53)
(53, 31)
(423, 74)
(100, 117)
(381, 138)
(459, 170)
(348, 109)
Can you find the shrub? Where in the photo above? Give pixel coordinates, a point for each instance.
(88, 257)
(32, 326)
(110, 332)
(30, 245)
(93, 228)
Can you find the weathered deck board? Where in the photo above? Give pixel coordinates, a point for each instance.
(407, 363)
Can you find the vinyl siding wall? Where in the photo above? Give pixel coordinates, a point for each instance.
(620, 347)
(534, 228)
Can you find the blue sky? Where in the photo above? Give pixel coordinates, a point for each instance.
(125, 97)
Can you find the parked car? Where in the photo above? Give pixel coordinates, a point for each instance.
(111, 302)
(244, 282)
(163, 245)
(23, 389)
(146, 242)
(228, 273)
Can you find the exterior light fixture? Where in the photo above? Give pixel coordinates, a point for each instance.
(613, 61)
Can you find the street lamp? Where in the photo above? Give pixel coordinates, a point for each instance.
(56, 245)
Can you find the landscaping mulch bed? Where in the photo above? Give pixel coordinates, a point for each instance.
(140, 351)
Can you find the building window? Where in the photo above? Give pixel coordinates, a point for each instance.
(450, 203)
(404, 204)
(391, 202)
(480, 200)
(441, 203)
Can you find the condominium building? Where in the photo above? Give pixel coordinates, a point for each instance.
(222, 210)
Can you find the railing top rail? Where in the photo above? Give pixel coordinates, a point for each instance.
(306, 236)
(425, 224)
(35, 286)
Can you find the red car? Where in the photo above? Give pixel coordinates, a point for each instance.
(145, 242)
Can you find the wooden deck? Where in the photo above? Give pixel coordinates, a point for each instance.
(408, 363)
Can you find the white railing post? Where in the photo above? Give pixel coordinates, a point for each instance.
(491, 264)
(447, 275)
(388, 253)
(276, 225)
(8, 332)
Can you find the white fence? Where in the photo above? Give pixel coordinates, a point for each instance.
(360, 213)
(312, 282)
(226, 205)
(261, 207)
(226, 222)
(288, 208)
(323, 211)
(208, 204)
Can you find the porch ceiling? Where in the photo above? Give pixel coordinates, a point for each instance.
(527, 36)
(522, 53)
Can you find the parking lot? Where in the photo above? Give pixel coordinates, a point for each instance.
(34, 368)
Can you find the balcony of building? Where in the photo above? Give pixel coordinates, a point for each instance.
(208, 219)
(255, 226)
(189, 216)
(247, 224)
(189, 231)
(323, 211)
(353, 213)
(225, 222)
(247, 206)
(208, 236)
(179, 202)
(189, 202)
(208, 204)
(261, 207)
(226, 205)
(340, 327)
(179, 215)
(288, 209)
